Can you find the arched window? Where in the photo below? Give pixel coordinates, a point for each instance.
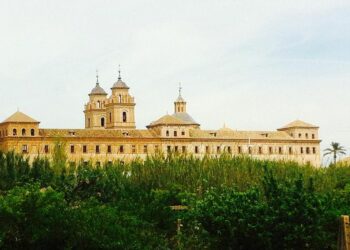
(89, 122)
(102, 122)
(23, 132)
(14, 132)
(167, 133)
(98, 104)
(110, 117)
(175, 133)
(124, 116)
(120, 98)
(32, 132)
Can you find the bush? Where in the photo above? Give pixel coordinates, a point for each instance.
(233, 203)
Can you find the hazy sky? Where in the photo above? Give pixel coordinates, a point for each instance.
(254, 65)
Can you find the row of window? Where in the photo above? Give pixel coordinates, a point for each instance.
(306, 135)
(249, 150)
(23, 132)
(167, 133)
(278, 150)
(208, 150)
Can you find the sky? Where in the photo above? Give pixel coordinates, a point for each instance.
(253, 65)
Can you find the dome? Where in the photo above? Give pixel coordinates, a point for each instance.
(98, 90)
(184, 117)
(168, 120)
(120, 85)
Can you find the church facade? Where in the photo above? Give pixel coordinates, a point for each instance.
(110, 134)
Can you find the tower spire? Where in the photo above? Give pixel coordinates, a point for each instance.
(119, 76)
(97, 82)
(180, 103)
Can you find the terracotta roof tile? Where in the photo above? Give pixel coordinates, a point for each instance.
(20, 117)
(298, 124)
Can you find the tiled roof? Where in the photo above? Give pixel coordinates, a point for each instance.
(298, 124)
(169, 120)
(104, 133)
(120, 85)
(226, 134)
(98, 90)
(185, 117)
(20, 117)
(195, 133)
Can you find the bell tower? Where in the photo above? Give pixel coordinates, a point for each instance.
(95, 110)
(120, 107)
(180, 103)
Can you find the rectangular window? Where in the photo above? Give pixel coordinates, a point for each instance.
(250, 150)
(97, 149)
(145, 149)
(84, 149)
(72, 149)
(183, 149)
(183, 133)
(314, 150)
(280, 150)
(260, 150)
(308, 150)
(196, 150)
(218, 149)
(46, 149)
(121, 149)
(98, 164)
(290, 150)
(109, 149)
(207, 149)
(239, 150)
(169, 149)
(313, 136)
(175, 133)
(24, 149)
(302, 150)
(176, 149)
(133, 149)
(156, 148)
(229, 150)
(306, 135)
(270, 150)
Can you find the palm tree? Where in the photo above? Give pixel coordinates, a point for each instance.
(335, 150)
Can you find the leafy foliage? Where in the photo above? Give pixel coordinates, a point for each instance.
(233, 203)
(335, 150)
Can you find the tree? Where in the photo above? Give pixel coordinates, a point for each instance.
(336, 149)
(59, 156)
